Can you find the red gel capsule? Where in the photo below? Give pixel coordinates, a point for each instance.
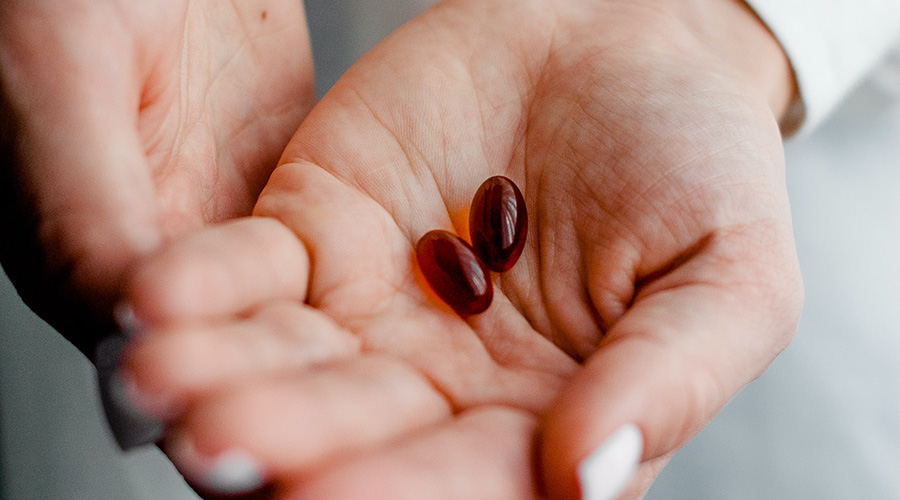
(454, 272)
(498, 223)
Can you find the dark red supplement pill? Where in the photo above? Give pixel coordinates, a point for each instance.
(498, 223)
(454, 272)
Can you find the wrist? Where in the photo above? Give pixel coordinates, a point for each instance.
(733, 32)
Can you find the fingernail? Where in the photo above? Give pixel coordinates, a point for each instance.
(127, 320)
(130, 426)
(153, 404)
(231, 472)
(605, 472)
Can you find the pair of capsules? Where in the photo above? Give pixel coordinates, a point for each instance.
(459, 273)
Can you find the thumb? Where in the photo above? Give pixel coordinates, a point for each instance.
(664, 370)
(79, 201)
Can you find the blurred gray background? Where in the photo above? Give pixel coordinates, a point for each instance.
(823, 422)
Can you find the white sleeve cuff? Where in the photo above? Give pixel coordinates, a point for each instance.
(831, 45)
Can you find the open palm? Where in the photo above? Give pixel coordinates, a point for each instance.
(129, 123)
(658, 279)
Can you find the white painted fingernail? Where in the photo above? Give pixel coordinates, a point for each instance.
(230, 472)
(158, 405)
(605, 472)
(126, 319)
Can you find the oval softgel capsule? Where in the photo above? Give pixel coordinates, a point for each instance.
(455, 272)
(498, 223)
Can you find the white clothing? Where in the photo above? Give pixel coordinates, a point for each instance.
(831, 44)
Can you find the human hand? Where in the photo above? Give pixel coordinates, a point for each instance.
(658, 279)
(124, 123)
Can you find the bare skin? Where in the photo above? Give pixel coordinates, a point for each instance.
(659, 277)
(127, 123)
